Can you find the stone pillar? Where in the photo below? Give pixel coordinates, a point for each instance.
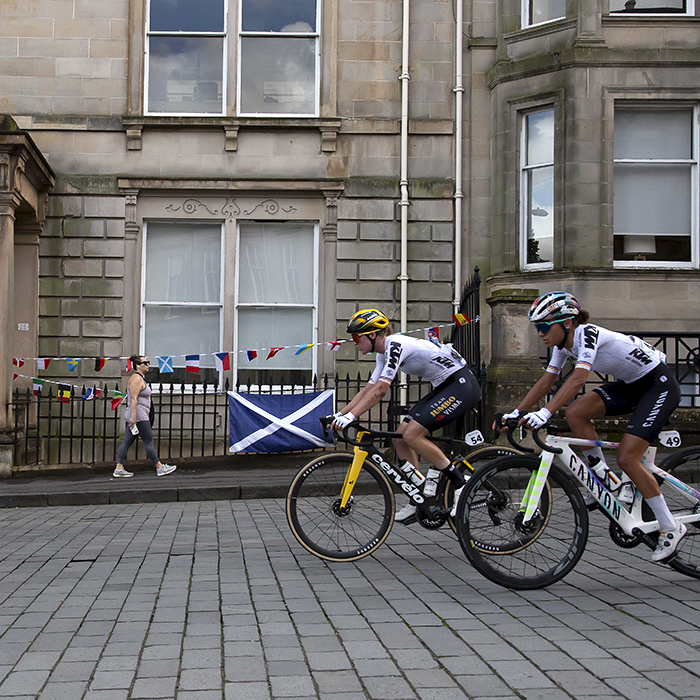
(515, 365)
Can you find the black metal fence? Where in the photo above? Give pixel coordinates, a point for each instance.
(682, 352)
(192, 421)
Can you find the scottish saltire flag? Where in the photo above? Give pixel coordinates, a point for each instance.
(43, 362)
(222, 360)
(192, 363)
(277, 423)
(165, 363)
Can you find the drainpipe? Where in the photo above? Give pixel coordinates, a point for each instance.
(458, 196)
(403, 204)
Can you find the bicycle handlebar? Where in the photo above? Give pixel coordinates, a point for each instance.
(512, 423)
(327, 420)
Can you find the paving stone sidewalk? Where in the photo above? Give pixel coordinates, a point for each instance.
(215, 600)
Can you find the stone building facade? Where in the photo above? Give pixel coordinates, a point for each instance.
(247, 175)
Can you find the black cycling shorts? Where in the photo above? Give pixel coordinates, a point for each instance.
(447, 401)
(651, 400)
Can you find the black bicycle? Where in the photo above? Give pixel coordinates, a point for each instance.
(341, 505)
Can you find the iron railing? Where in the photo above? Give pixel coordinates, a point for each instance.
(682, 352)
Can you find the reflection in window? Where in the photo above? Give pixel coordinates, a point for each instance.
(276, 301)
(649, 6)
(537, 188)
(185, 57)
(538, 11)
(655, 185)
(278, 66)
(182, 297)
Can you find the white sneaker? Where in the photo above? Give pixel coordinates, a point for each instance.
(407, 513)
(165, 469)
(626, 494)
(668, 542)
(121, 472)
(453, 512)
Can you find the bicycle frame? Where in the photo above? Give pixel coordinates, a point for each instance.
(361, 452)
(630, 520)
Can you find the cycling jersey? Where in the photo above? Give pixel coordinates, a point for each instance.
(625, 357)
(417, 357)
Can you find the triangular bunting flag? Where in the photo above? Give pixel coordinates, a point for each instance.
(100, 363)
(43, 362)
(249, 355)
(192, 363)
(333, 345)
(273, 352)
(63, 394)
(223, 363)
(460, 319)
(165, 363)
(18, 361)
(117, 398)
(129, 366)
(303, 349)
(72, 363)
(91, 394)
(37, 386)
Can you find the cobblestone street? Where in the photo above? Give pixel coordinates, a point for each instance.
(216, 600)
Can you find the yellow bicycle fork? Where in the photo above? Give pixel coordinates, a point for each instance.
(353, 472)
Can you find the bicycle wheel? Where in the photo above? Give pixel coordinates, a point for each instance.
(317, 520)
(468, 465)
(504, 549)
(685, 465)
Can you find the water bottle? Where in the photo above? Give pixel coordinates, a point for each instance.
(608, 477)
(431, 482)
(410, 471)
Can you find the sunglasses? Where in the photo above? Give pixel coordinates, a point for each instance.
(145, 362)
(545, 326)
(356, 338)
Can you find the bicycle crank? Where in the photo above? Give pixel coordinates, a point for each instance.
(622, 539)
(432, 517)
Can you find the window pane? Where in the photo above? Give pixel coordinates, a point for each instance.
(266, 328)
(183, 262)
(663, 134)
(545, 10)
(185, 74)
(187, 15)
(276, 264)
(177, 330)
(540, 236)
(652, 199)
(647, 6)
(540, 137)
(279, 16)
(278, 75)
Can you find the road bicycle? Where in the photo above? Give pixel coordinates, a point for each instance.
(522, 521)
(341, 505)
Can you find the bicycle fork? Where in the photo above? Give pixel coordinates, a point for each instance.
(533, 492)
(353, 472)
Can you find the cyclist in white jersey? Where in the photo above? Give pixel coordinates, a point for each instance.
(455, 391)
(645, 387)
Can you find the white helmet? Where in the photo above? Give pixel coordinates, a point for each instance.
(553, 307)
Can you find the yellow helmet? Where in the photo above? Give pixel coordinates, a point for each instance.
(367, 321)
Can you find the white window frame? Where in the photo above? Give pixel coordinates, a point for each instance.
(527, 20)
(524, 173)
(314, 305)
(147, 71)
(694, 162)
(317, 64)
(189, 386)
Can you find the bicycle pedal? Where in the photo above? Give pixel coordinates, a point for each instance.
(409, 520)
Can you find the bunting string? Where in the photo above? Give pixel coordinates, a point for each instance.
(221, 359)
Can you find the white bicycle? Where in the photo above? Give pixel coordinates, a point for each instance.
(522, 521)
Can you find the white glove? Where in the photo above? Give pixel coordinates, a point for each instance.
(538, 418)
(343, 420)
(514, 414)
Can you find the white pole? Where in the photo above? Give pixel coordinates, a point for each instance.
(458, 195)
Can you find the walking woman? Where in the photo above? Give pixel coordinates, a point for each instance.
(138, 423)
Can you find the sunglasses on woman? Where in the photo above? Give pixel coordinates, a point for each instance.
(544, 326)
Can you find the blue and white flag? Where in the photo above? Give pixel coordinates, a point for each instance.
(165, 363)
(277, 423)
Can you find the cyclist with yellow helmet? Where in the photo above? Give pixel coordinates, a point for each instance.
(455, 391)
(644, 387)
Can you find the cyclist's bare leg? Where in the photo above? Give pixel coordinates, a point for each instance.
(629, 458)
(581, 412)
(415, 442)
